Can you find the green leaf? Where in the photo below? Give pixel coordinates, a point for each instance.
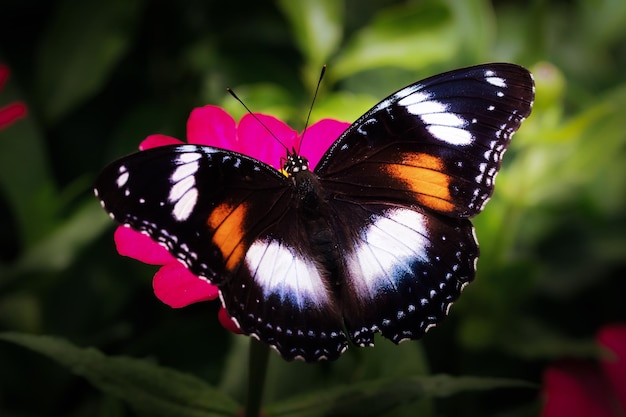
(605, 20)
(475, 22)
(80, 49)
(20, 310)
(534, 340)
(235, 370)
(373, 398)
(25, 174)
(59, 249)
(317, 25)
(263, 98)
(403, 37)
(342, 105)
(148, 388)
(288, 379)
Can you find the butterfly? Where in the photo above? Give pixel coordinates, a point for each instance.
(377, 238)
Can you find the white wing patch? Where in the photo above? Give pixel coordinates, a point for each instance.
(184, 171)
(491, 78)
(278, 270)
(389, 246)
(122, 179)
(439, 120)
(184, 194)
(452, 135)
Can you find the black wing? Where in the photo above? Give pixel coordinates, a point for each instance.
(230, 219)
(437, 143)
(402, 181)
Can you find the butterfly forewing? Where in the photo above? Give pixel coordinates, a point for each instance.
(437, 143)
(196, 201)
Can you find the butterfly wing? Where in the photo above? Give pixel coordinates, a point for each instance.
(404, 268)
(283, 296)
(196, 201)
(230, 219)
(437, 143)
(412, 170)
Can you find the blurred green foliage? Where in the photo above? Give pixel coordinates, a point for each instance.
(100, 76)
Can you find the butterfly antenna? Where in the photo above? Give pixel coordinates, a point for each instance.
(308, 117)
(232, 93)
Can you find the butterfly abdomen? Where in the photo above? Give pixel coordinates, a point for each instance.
(316, 226)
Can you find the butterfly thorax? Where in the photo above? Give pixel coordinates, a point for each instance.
(314, 214)
(310, 198)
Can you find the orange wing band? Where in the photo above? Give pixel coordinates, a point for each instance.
(227, 222)
(423, 175)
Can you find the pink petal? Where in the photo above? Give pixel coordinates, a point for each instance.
(576, 389)
(4, 75)
(227, 322)
(138, 246)
(11, 112)
(212, 126)
(319, 137)
(175, 286)
(257, 142)
(613, 338)
(154, 141)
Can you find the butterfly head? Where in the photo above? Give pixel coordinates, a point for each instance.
(294, 164)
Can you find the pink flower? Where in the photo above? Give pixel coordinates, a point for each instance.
(210, 125)
(582, 388)
(12, 111)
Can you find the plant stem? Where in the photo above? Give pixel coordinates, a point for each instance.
(257, 369)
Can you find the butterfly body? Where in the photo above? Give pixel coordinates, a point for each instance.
(375, 239)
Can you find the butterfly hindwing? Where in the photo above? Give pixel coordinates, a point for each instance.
(437, 143)
(282, 298)
(405, 268)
